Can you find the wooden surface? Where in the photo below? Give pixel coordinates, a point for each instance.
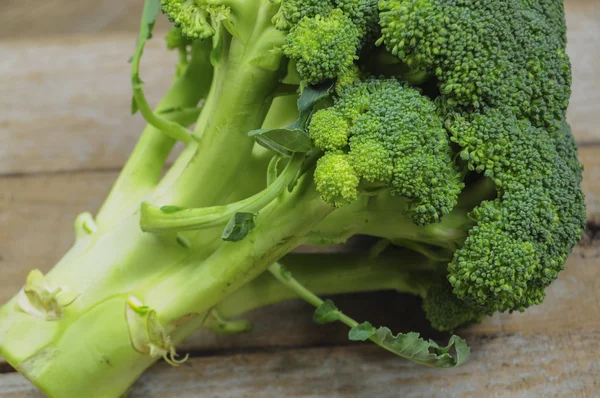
(65, 131)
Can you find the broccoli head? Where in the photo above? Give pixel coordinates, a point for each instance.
(394, 139)
(434, 129)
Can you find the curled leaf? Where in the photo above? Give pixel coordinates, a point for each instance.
(414, 348)
(239, 226)
(39, 299)
(326, 313)
(148, 335)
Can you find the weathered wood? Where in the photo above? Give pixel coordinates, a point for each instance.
(34, 19)
(65, 103)
(583, 35)
(588, 156)
(537, 365)
(36, 220)
(72, 107)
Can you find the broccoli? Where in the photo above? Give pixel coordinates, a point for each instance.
(436, 128)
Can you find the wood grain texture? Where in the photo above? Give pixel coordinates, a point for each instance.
(507, 366)
(72, 108)
(65, 104)
(583, 46)
(34, 18)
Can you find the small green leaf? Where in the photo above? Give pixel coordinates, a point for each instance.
(326, 313)
(312, 95)
(411, 346)
(239, 226)
(285, 273)
(362, 332)
(134, 106)
(171, 209)
(285, 141)
(183, 241)
(136, 81)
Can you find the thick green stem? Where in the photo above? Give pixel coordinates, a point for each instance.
(238, 102)
(280, 228)
(164, 219)
(91, 342)
(328, 274)
(385, 216)
(142, 171)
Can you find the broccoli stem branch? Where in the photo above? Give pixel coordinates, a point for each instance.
(328, 274)
(155, 219)
(286, 278)
(238, 102)
(141, 173)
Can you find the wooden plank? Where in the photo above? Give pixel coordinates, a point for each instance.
(65, 103)
(583, 35)
(72, 107)
(33, 19)
(527, 366)
(588, 156)
(36, 219)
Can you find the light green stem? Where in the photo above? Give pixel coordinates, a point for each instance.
(160, 219)
(328, 274)
(141, 173)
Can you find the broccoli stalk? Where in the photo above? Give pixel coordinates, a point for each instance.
(298, 139)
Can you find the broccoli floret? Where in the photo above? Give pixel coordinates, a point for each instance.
(445, 311)
(486, 53)
(364, 14)
(292, 11)
(396, 138)
(522, 239)
(329, 130)
(324, 47)
(191, 17)
(336, 180)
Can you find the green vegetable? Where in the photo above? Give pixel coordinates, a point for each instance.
(435, 126)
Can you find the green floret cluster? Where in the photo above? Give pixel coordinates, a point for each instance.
(193, 18)
(292, 11)
(504, 83)
(433, 131)
(395, 139)
(487, 53)
(336, 179)
(522, 239)
(324, 47)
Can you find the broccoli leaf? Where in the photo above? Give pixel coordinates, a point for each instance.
(414, 348)
(326, 313)
(284, 141)
(294, 138)
(239, 226)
